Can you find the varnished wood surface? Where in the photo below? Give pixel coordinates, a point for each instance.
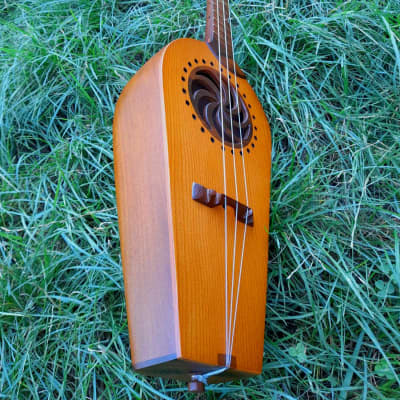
(173, 247)
(218, 28)
(143, 202)
(199, 231)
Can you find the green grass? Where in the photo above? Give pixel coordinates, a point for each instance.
(328, 75)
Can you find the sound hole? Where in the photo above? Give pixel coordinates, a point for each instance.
(206, 96)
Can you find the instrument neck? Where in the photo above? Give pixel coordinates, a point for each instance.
(218, 29)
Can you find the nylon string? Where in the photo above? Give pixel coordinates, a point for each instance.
(229, 352)
(224, 173)
(246, 196)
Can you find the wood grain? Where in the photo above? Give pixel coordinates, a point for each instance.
(218, 28)
(141, 178)
(199, 231)
(172, 246)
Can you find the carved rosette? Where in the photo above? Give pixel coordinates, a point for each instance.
(206, 95)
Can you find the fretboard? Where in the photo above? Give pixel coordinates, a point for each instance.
(218, 28)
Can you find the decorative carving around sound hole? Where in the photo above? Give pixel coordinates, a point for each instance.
(206, 94)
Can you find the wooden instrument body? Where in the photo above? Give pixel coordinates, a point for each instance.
(173, 250)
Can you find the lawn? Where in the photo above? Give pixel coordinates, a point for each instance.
(328, 76)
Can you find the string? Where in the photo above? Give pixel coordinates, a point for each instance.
(229, 353)
(246, 194)
(225, 205)
(203, 378)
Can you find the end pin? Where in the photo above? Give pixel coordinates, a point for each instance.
(195, 386)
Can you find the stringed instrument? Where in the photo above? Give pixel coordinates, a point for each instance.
(192, 153)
